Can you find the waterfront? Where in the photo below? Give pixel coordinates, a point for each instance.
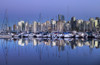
(39, 51)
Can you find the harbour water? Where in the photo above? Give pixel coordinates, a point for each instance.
(38, 51)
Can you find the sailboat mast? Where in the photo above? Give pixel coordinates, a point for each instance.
(5, 22)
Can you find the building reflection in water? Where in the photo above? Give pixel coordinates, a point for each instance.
(61, 43)
(46, 47)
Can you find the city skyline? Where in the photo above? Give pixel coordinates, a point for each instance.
(49, 32)
(59, 25)
(30, 10)
(39, 19)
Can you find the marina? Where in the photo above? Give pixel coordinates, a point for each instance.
(49, 32)
(52, 29)
(51, 35)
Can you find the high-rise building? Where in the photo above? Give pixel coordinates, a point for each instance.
(38, 27)
(92, 24)
(14, 27)
(30, 28)
(67, 26)
(43, 27)
(34, 28)
(98, 19)
(9, 29)
(61, 17)
(60, 26)
(96, 25)
(21, 26)
(73, 23)
(73, 19)
(53, 25)
(60, 23)
(26, 27)
(48, 26)
(79, 25)
(87, 25)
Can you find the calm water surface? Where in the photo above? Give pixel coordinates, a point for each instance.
(49, 52)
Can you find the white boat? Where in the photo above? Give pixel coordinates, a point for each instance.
(16, 36)
(35, 35)
(68, 35)
(60, 35)
(49, 35)
(26, 35)
(45, 36)
(5, 36)
(97, 36)
(39, 35)
(31, 35)
(77, 36)
(81, 34)
(54, 35)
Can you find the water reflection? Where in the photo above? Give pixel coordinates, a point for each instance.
(38, 51)
(73, 43)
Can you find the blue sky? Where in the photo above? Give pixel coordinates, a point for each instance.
(29, 10)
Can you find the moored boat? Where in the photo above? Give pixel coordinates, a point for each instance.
(5, 36)
(68, 35)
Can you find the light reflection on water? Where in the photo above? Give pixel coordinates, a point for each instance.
(49, 52)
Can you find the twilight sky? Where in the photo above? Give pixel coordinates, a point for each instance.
(29, 10)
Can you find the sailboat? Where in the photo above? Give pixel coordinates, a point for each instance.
(4, 32)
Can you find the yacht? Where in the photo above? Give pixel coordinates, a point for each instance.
(68, 35)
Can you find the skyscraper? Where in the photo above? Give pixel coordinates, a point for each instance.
(26, 27)
(61, 17)
(79, 25)
(67, 26)
(87, 27)
(98, 19)
(60, 23)
(14, 27)
(48, 26)
(38, 27)
(53, 25)
(30, 28)
(92, 24)
(43, 27)
(21, 26)
(73, 23)
(34, 28)
(96, 25)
